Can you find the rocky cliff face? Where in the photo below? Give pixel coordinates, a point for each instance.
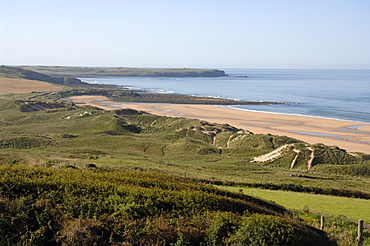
(20, 73)
(55, 80)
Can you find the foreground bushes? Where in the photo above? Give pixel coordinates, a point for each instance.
(47, 206)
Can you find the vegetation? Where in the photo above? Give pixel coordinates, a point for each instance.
(80, 175)
(179, 99)
(216, 153)
(125, 72)
(9, 85)
(344, 230)
(123, 95)
(325, 204)
(66, 206)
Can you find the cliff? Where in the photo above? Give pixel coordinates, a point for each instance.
(20, 73)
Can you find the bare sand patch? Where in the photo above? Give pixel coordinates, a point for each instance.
(9, 85)
(344, 134)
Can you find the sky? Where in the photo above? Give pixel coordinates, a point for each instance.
(321, 34)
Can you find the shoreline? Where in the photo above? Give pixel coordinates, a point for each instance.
(234, 107)
(349, 135)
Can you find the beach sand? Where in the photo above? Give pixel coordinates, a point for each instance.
(351, 136)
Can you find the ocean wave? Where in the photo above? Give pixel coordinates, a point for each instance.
(162, 91)
(132, 88)
(292, 114)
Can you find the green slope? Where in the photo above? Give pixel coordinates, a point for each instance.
(125, 72)
(79, 174)
(71, 207)
(198, 149)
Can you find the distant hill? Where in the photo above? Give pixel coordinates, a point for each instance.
(125, 72)
(20, 73)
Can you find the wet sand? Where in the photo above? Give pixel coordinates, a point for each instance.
(352, 136)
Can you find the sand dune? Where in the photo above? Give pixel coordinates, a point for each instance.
(352, 136)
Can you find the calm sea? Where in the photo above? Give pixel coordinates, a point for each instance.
(328, 93)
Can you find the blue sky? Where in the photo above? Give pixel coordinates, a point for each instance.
(202, 33)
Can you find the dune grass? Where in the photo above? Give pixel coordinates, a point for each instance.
(178, 146)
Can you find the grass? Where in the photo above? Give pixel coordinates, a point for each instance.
(331, 205)
(341, 214)
(155, 143)
(97, 149)
(10, 85)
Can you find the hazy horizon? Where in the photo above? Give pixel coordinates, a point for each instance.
(194, 34)
(218, 68)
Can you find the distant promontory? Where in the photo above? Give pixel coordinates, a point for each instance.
(20, 73)
(86, 72)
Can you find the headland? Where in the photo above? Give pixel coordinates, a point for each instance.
(85, 72)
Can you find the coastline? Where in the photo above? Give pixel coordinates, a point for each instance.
(290, 114)
(348, 135)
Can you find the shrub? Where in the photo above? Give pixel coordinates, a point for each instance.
(221, 226)
(69, 136)
(266, 230)
(91, 166)
(50, 206)
(24, 142)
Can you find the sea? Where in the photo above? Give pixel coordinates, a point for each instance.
(342, 94)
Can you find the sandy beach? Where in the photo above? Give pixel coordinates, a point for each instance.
(352, 136)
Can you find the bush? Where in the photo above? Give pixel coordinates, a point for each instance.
(24, 142)
(69, 136)
(266, 230)
(50, 206)
(222, 225)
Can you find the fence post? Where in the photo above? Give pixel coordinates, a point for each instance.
(322, 222)
(360, 238)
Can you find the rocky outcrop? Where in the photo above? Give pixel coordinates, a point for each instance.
(55, 80)
(20, 73)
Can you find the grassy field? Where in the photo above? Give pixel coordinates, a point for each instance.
(331, 205)
(341, 213)
(9, 85)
